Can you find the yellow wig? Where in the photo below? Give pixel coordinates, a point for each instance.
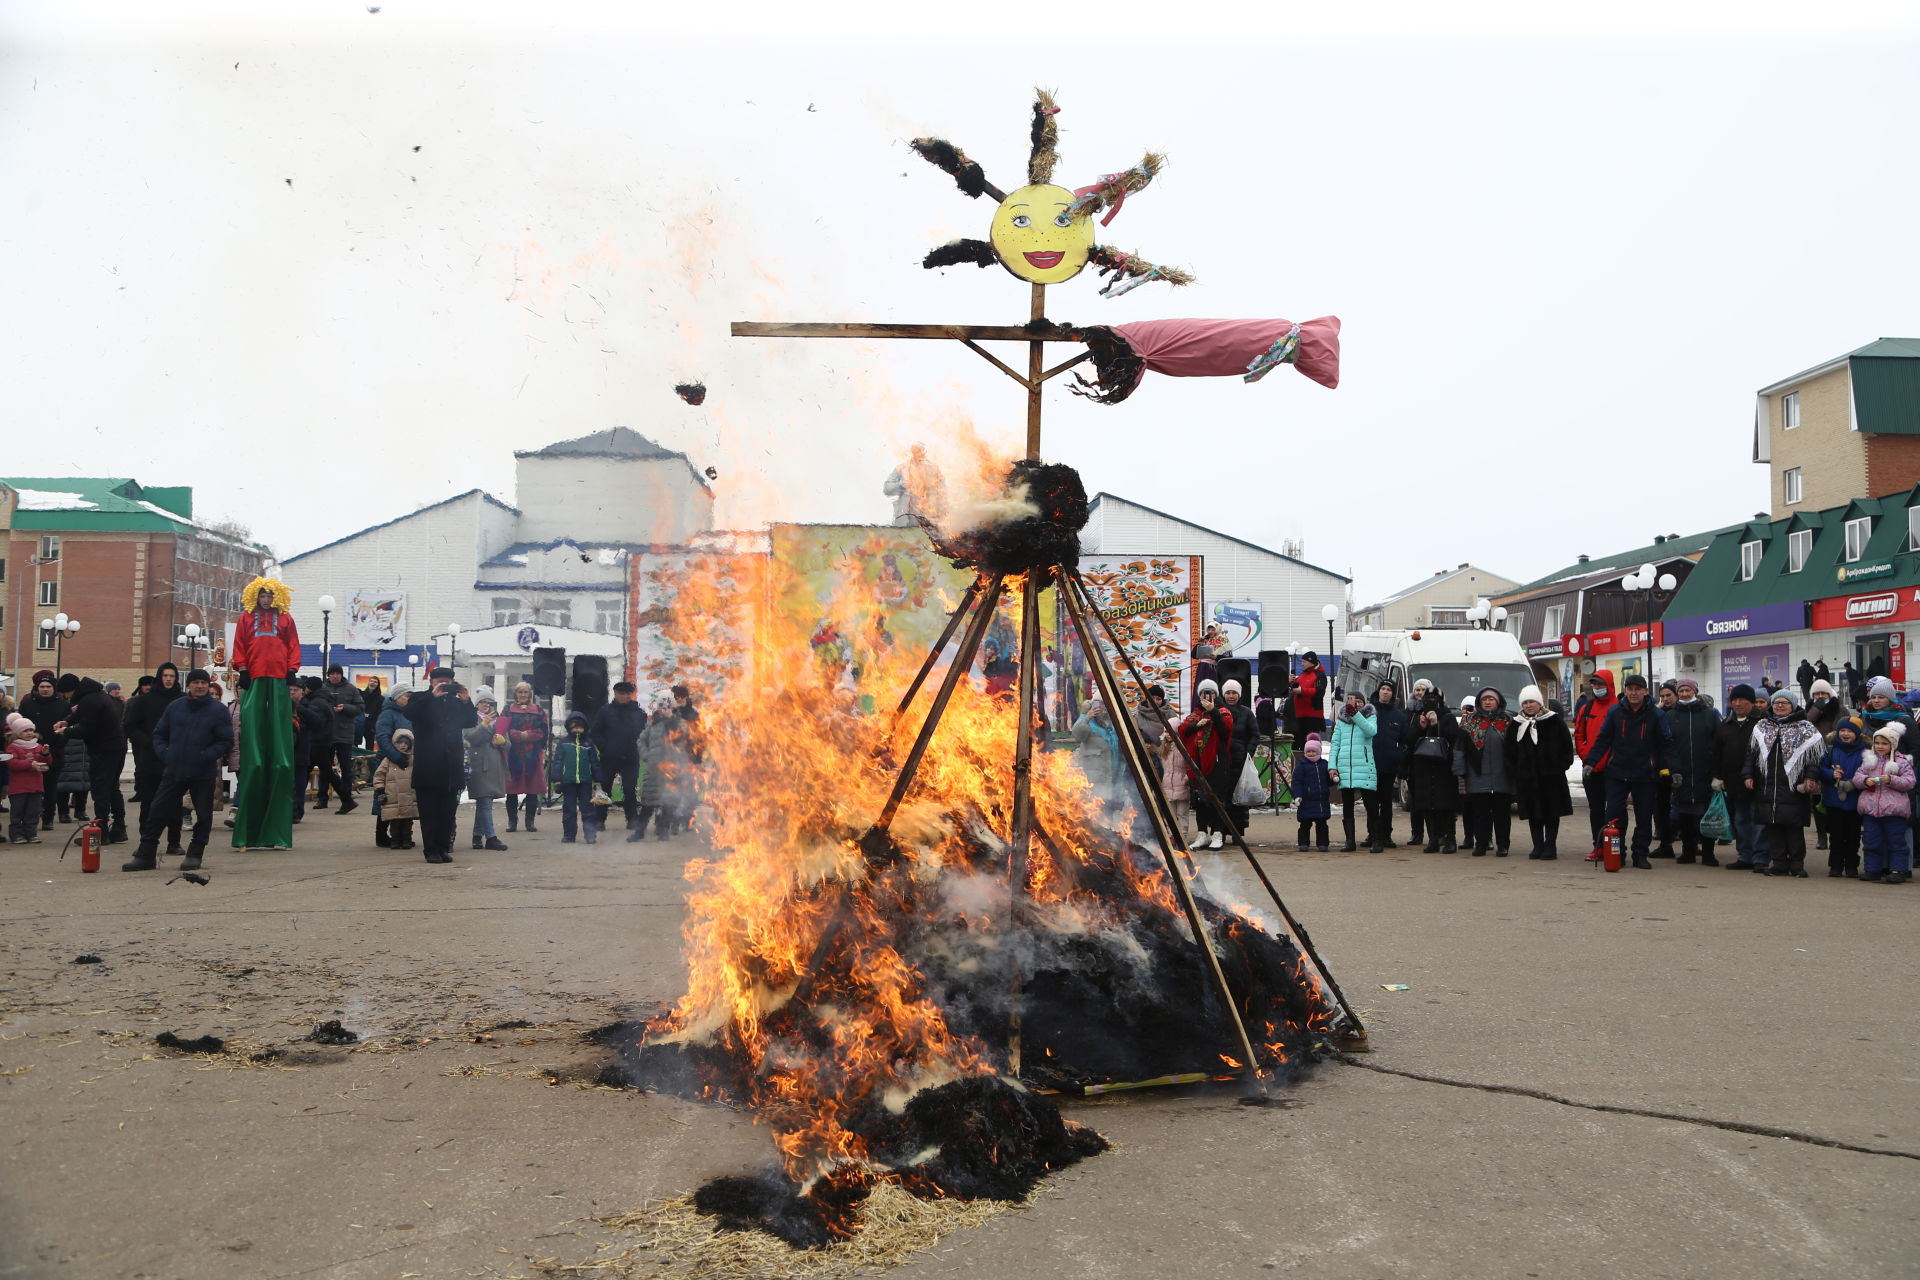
(279, 594)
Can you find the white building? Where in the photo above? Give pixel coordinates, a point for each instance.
(557, 561)
(1292, 593)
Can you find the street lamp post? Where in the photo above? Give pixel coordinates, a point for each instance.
(189, 639)
(326, 604)
(63, 626)
(453, 644)
(1330, 612)
(1657, 589)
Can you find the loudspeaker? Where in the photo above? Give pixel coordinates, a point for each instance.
(589, 684)
(549, 672)
(1235, 669)
(1276, 668)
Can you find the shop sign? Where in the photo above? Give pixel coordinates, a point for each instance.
(1618, 640)
(1866, 609)
(1861, 572)
(1544, 649)
(1757, 621)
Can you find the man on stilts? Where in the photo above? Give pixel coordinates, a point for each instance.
(266, 651)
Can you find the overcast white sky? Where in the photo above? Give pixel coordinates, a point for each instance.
(1567, 248)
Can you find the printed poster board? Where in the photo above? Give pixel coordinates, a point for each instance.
(693, 620)
(1153, 604)
(376, 620)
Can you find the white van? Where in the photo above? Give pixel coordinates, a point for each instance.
(1460, 661)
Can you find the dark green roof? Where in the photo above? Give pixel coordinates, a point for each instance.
(1676, 546)
(80, 504)
(1715, 585)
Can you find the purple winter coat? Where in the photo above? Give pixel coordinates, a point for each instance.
(1889, 799)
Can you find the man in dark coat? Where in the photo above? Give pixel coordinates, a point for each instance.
(312, 736)
(1731, 741)
(143, 713)
(96, 722)
(375, 701)
(439, 718)
(1804, 675)
(616, 730)
(1634, 742)
(1694, 726)
(347, 706)
(193, 736)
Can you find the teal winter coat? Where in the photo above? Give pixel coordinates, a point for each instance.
(1352, 754)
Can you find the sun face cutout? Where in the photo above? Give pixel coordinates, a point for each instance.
(1036, 238)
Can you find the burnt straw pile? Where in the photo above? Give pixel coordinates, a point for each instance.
(1107, 987)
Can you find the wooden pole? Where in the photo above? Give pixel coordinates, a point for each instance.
(933, 654)
(984, 606)
(1110, 690)
(1020, 837)
(1356, 1038)
(858, 329)
(1036, 364)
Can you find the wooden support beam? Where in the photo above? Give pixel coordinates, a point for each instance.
(955, 332)
(1002, 365)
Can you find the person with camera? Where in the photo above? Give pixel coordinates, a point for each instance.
(439, 718)
(1309, 690)
(1433, 793)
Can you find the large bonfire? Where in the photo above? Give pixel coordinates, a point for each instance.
(889, 1002)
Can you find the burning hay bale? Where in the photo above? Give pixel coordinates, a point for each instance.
(1032, 524)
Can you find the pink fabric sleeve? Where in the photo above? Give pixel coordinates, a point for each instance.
(1221, 348)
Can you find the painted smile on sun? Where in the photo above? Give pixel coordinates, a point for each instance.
(1045, 261)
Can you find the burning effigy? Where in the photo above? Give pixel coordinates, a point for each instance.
(919, 927)
(880, 976)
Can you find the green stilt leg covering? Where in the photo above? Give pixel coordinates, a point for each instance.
(263, 806)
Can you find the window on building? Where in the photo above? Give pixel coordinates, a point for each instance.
(1799, 547)
(1790, 485)
(49, 593)
(556, 613)
(1858, 531)
(49, 547)
(608, 615)
(3, 568)
(3, 617)
(45, 640)
(1447, 617)
(1556, 623)
(1790, 411)
(1749, 560)
(1515, 625)
(506, 611)
(1913, 530)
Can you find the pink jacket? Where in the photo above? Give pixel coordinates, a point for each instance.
(1889, 799)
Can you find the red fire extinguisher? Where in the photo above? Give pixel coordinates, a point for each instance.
(90, 836)
(1611, 858)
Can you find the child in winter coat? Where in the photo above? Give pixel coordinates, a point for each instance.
(1883, 781)
(1846, 752)
(393, 793)
(576, 763)
(1312, 793)
(26, 783)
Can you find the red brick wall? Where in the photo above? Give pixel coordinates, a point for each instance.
(1893, 463)
(121, 588)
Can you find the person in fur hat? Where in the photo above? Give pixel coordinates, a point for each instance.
(1847, 750)
(1783, 776)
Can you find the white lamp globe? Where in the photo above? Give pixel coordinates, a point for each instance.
(1668, 582)
(326, 603)
(1329, 612)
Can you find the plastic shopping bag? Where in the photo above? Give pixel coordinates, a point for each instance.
(1714, 823)
(1248, 792)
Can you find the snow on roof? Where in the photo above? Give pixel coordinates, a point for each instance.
(53, 500)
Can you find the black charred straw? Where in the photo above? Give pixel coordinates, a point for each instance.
(959, 253)
(1117, 370)
(691, 392)
(951, 160)
(1035, 542)
(200, 1044)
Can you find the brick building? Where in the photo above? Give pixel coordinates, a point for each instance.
(1848, 427)
(127, 561)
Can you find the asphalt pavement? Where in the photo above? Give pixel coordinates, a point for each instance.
(1715, 1075)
